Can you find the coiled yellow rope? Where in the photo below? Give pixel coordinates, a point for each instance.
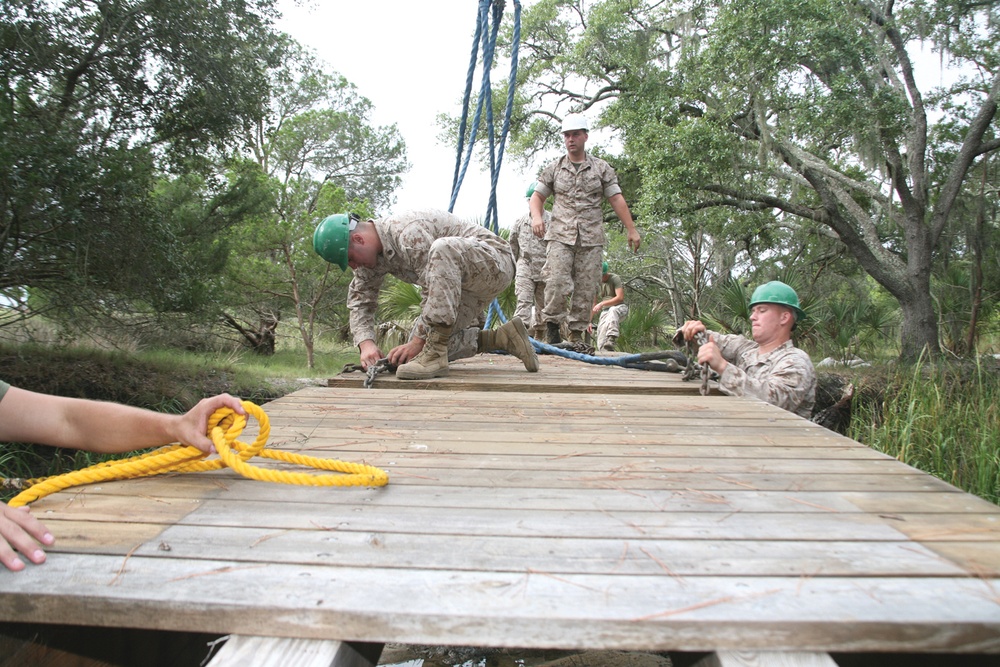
(224, 426)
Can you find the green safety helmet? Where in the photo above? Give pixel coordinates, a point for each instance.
(332, 236)
(531, 189)
(604, 268)
(780, 293)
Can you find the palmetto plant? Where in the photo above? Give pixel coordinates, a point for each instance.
(733, 313)
(852, 325)
(398, 309)
(644, 327)
(507, 300)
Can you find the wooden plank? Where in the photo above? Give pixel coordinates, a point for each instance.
(579, 555)
(528, 403)
(607, 499)
(530, 609)
(709, 521)
(903, 480)
(240, 651)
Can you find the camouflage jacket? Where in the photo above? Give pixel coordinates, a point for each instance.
(406, 241)
(578, 196)
(784, 377)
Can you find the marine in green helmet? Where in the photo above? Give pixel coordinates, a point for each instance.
(459, 266)
(768, 367)
(610, 299)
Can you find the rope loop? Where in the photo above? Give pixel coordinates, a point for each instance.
(224, 427)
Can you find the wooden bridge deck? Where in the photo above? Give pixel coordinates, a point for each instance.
(636, 514)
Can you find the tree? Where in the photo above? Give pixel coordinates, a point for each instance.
(102, 104)
(810, 110)
(322, 155)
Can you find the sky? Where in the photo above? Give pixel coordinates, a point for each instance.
(411, 60)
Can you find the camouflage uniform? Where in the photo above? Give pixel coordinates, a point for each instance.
(611, 318)
(784, 377)
(529, 251)
(575, 236)
(461, 268)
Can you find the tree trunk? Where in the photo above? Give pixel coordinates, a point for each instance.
(265, 341)
(262, 339)
(976, 288)
(919, 335)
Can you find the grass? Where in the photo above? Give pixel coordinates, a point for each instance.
(942, 419)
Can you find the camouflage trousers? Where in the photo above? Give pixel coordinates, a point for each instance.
(611, 319)
(530, 292)
(464, 275)
(571, 274)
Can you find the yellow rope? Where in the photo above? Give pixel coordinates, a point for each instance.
(224, 426)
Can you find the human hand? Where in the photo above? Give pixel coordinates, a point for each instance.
(634, 240)
(538, 228)
(692, 328)
(21, 531)
(400, 354)
(192, 427)
(711, 354)
(370, 354)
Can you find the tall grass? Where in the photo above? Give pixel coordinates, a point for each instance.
(940, 419)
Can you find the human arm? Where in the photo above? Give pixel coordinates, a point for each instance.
(618, 298)
(785, 377)
(401, 354)
(620, 207)
(99, 426)
(710, 352)
(27, 416)
(536, 205)
(514, 239)
(370, 353)
(362, 302)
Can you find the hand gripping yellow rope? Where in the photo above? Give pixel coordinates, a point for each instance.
(223, 428)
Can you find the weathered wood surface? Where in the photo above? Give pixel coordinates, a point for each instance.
(498, 372)
(596, 520)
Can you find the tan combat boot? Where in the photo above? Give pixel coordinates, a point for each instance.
(432, 362)
(512, 338)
